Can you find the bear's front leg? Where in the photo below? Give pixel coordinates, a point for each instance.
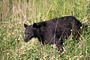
(41, 40)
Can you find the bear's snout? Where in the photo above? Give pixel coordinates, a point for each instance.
(26, 38)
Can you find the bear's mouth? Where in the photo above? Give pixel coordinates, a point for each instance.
(26, 39)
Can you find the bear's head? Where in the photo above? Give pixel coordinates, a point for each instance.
(31, 31)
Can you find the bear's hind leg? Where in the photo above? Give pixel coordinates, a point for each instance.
(59, 45)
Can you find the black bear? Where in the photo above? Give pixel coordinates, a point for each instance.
(53, 31)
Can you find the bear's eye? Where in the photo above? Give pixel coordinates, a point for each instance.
(27, 33)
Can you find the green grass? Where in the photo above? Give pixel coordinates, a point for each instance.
(13, 15)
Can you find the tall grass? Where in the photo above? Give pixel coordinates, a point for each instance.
(13, 15)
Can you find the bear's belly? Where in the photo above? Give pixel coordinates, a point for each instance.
(50, 41)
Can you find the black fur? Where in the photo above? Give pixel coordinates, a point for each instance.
(53, 31)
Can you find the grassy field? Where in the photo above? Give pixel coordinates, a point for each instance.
(13, 15)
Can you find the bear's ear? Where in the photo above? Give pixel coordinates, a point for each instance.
(25, 25)
(35, 25)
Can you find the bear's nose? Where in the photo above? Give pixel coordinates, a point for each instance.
(26, 38)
